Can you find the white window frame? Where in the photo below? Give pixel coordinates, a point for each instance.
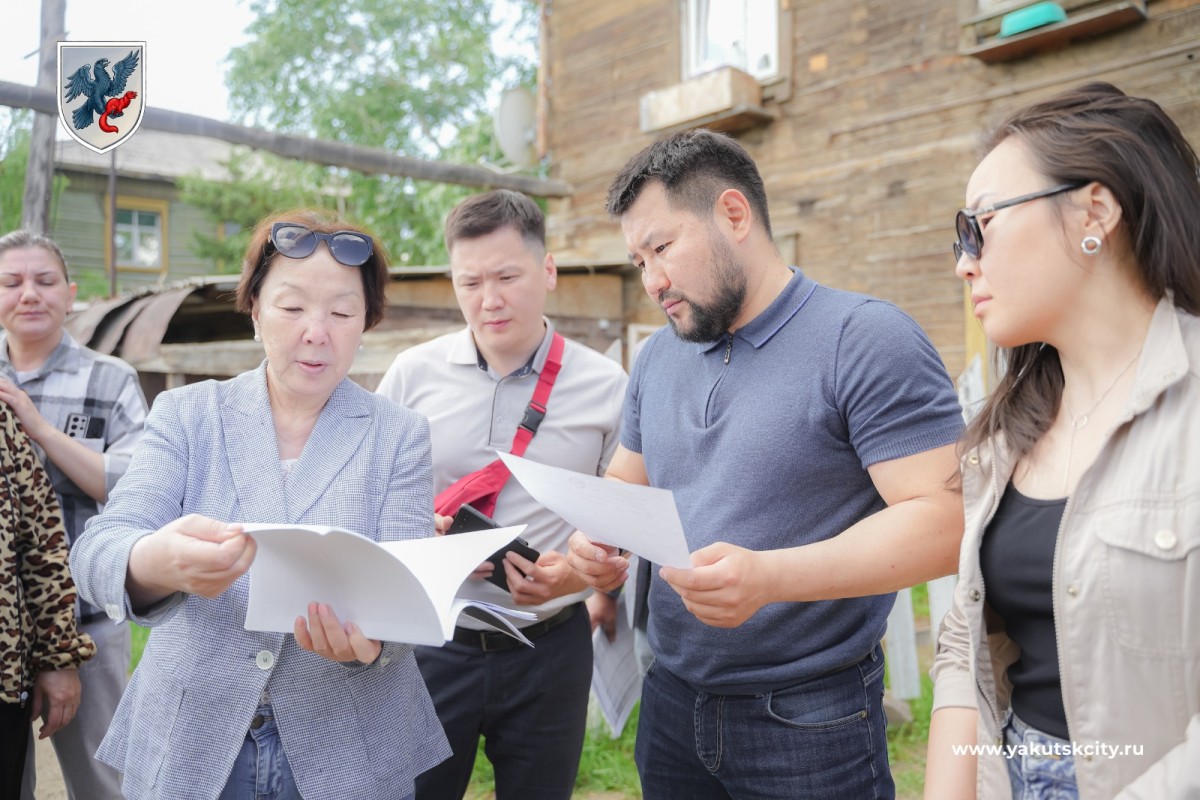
(695, 12)
(135, 231)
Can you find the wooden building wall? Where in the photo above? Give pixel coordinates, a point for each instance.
(78, 225)
(868, 159)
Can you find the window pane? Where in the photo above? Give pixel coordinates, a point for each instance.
(139, 238)
(124, 247)
(148, 250)
(762, 37)
(737, 33)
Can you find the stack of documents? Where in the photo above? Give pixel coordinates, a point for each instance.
(404, 591)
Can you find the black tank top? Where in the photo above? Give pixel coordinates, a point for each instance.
(1017, 559)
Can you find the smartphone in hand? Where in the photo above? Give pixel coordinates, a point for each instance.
(468, 519)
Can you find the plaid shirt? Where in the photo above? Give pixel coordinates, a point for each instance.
(95, 399)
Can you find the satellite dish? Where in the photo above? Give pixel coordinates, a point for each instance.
(515, 124)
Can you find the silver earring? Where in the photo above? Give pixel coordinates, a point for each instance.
(257, 338)
(1091, 245)
(362, 346)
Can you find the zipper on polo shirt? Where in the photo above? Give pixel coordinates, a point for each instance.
(728, 349)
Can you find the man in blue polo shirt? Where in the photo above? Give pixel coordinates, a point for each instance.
(808, 437)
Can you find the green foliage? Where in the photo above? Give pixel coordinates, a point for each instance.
(93, 284)
(260, 185)
(14, 157)
(379, 73)
(15, 130)
(410, 77)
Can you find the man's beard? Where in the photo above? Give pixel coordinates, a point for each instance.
(708, 322)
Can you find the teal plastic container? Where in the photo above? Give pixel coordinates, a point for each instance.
(1030, 17)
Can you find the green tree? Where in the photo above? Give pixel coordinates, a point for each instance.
(15, 129)
(259, 184)
(410, 76)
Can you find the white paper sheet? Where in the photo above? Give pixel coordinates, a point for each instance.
(640, 519)
(395, 591)
(616, 679)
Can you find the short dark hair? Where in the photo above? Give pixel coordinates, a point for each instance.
(261, 256)
(22, 238)
(694, 167)
(481, 214)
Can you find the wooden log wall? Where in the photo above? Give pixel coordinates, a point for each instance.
(868, 159)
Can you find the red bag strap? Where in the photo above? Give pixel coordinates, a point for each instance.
(482, 487)
(535, 412)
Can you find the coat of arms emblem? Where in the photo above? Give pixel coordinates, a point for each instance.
(101, 91)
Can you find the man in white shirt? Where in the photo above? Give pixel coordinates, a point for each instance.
(475, 386)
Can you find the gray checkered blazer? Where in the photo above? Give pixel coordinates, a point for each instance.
(209, 448)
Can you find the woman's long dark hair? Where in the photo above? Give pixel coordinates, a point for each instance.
(1128, 144)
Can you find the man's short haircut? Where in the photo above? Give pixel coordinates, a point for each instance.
(694, 167)
(486, 213)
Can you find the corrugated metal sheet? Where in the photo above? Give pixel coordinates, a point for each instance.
(86, 324)
(147, 328)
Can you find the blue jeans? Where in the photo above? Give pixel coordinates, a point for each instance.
(823, 738)
(1041, 767)
(261, 770)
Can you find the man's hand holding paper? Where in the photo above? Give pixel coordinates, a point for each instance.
(602, 566)
(726, 586)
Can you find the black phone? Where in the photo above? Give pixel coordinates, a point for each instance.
(469, 519)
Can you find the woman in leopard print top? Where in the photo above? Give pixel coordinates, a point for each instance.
(40, 649)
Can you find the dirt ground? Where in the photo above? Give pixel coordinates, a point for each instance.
(49, 782)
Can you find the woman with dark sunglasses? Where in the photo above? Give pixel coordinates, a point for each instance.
(215, 710)
(1074, 639)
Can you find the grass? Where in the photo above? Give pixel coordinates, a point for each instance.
(920, 601)
(607, 771)
(906, 742)
(139, 636)
(906, 746)
(606, 766)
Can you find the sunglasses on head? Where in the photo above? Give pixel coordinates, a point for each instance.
(294, 240)
(966, 224)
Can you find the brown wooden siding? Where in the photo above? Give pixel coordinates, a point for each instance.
(869, 157)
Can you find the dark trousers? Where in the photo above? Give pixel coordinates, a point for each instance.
(529, 704)
(14, 738)
(823, 739)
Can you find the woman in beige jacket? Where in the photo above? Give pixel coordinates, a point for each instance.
(1072, 652)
